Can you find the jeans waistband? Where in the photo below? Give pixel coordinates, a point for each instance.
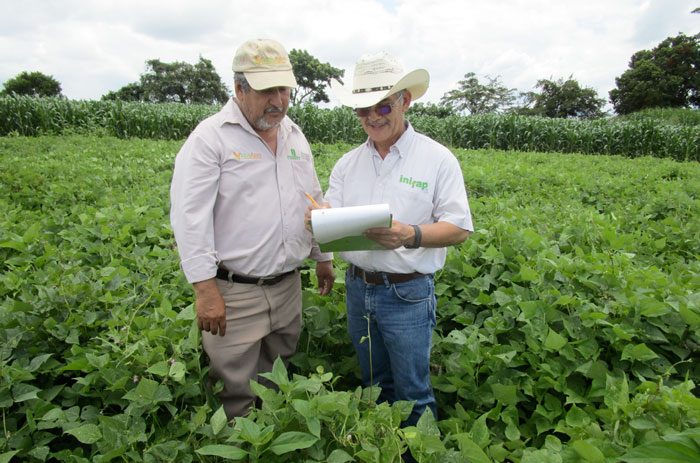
(378, 278)
(223, 274)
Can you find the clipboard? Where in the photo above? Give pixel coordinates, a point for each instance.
(341, 228)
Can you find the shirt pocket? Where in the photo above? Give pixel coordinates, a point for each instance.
(413, 206)
(304, 176)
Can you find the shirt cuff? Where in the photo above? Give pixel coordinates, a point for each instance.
(200, 268)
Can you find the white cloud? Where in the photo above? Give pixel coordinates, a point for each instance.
(93, 47)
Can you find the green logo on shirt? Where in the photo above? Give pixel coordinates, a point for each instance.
(413, 183)
(293, 155)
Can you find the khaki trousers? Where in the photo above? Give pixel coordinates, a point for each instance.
(262, 323)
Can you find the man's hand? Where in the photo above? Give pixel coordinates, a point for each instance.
(307, 215)
(211, 309)
(392, 237)
(325, 276)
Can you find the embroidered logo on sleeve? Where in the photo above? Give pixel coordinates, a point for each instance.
(413, 183)
(247, 156)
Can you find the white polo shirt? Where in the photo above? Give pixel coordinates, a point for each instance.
(422, 182)
(235, 202)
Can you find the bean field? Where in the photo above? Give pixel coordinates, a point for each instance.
(568, 324)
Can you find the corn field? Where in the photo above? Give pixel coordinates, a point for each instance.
(631, 136)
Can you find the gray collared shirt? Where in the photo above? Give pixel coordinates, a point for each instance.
(236, 204)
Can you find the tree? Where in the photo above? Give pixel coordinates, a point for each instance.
(129, 92)
(312, 77)
(476, 98)
(178, 82)
(32, 84)
(562, 98)
(666, 76)
(431, 109)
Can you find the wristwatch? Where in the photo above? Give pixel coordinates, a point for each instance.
(416, 239)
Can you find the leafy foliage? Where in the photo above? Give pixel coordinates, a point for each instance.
(176, 82)
(666, 76)
(34, 84)
(567, 324)
(312, 77)
(431, 109)
(473, 97)
(564, 99)
(633, 137)
(671, 116)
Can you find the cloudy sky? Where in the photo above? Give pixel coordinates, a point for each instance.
(94, 46)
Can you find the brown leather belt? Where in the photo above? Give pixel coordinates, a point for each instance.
(223, 274)
(377, 278)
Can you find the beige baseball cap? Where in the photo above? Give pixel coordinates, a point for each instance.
(265, 64)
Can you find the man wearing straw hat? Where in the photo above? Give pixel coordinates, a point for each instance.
(390, 293)
(238, 197)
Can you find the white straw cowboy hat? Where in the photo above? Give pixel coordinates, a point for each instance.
(265, 64)
(376, 77)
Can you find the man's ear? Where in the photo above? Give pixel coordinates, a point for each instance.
(407, 98)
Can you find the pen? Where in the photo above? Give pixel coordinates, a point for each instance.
(313, 201)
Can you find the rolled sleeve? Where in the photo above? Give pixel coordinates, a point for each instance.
(451, 203)
(193, 194)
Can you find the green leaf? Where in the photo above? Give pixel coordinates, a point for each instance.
(22, 392)
(177, 371)
(661, 452)
(290, 441)
(528, 273)
(480, 432)
(505, 393)
(279, 374)
(690, 316)
(218, 420)
(468, 447)
(588, 452)
(7, 456)
(512, 432)
(159, 369)
(38, 361)
(554, 341)
(148, 392)
(228, 452)
(339, 456)
(87, 433)
(638, 352)
(577, 418)
(653, 308)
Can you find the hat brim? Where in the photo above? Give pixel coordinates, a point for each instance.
(415, 82)
(268, 79)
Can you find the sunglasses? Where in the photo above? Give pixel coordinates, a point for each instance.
(381, 109)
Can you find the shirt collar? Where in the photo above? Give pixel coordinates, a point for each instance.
(401, 144)
(231, 114)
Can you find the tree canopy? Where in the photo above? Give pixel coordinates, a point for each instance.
(562, 98)
(431, 109)
(32, 84)
(666, 76)
(475, 97)
(178, 82)
(312, 77)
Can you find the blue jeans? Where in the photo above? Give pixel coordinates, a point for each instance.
(399, 319)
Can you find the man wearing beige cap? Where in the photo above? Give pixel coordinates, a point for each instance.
(238, 197)
(390, 294)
